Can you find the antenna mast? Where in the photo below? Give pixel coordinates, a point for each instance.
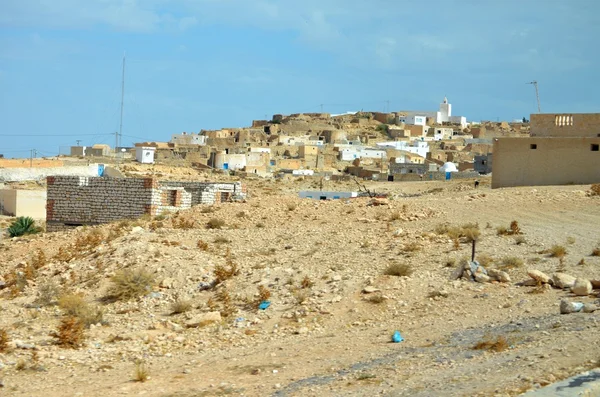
(122, 100)
(537, 94)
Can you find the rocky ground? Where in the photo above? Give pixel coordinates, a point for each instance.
(333, 309)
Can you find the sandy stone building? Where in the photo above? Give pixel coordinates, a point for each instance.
(563, 149)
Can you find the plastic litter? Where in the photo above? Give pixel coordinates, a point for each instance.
(396, 337)
(264, 304)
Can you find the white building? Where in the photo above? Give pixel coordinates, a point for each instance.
(188, 139)
(441, 133)
(443, 115)
(320, 195)
(417, 147)
(145, 154)
(414, 120)
(351, 153)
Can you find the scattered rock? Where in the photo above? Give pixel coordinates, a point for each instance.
(203, 319)
(582, 287)
(595, 284)
(539, 276)
(567, 307)
(562, 280)
(589, 308)
(482, 278)
(168, 283)
(499, 275)
(370, 289)
(528, 283)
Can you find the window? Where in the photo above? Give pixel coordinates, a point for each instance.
(533, 146)
(595, 147)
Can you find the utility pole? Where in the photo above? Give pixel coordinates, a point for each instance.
(537, 94)
(116, 142)
(122, 100)
(321, 108)
(33, 153)
(78, 140)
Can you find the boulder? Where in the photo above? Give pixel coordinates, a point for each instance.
(370, 289)
(482, 278)
(499, 275)
(539, 276)
(589, 308)
(582, 287)
(567, 307)
(168, 283)
(203, 319)
(562, 280)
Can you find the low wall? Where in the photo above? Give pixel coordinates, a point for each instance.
(435, 176)
(36, 174)
(209, 192)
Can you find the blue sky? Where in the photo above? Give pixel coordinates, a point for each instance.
(207, 64)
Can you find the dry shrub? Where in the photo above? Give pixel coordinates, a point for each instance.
(596, 251)
(215, 223)
(4, 339)
(376, 298)
(75, 306)
(222, 240)
(484, 260)
(502, 231)
(468, 231)
(141, 373)
(514, 228)
(395, 216)
(128, 284)
(48, 293)
(411, 247)
(497, 344)
(208, 210)
(558, 251)
(595, 189)
(307, 282)
(263, 293)
(471, 234)
(241, 214)
(180, 306)
(398, 270)
(203, 245)
(291, 206)
(89, 241)
(227, 309)
(260, 225)
(182, 223)
(226, 272)
(510, 262)
(39, 260)
(450, 262)
(70, 333)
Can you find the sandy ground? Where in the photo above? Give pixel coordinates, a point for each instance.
(325, 339)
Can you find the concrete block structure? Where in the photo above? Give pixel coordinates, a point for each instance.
(563, 149)
(77, 201)
(15, 202)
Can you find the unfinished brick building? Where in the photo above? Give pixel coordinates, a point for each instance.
(76, 201)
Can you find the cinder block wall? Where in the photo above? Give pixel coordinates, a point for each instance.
(209, 192)
(74, 201)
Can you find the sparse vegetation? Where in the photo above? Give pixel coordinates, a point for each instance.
(375, 298)
(140, 373)
(411, 247)
(307, 282)
(558, 251)
(498, 344)
(510, 262)
(128, 284)
(4, 339)
(398, 270)
(596, 251)
(181, 306)
(76, 306)
(484, 260)
(291, 206)
(70, 333)
(180, 222)
(226, 272)
(203, 245)
(260, 225)
(595, 189)
(22, 226)
(48, 293)
(221, 240)
(215, 223)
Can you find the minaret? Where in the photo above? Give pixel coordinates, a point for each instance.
(445, 110)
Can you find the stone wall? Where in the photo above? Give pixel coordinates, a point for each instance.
(566, 125)
(35, 174)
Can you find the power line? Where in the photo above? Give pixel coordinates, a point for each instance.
(50, 135)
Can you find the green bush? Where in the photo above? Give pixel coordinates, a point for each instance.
(23, 225)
